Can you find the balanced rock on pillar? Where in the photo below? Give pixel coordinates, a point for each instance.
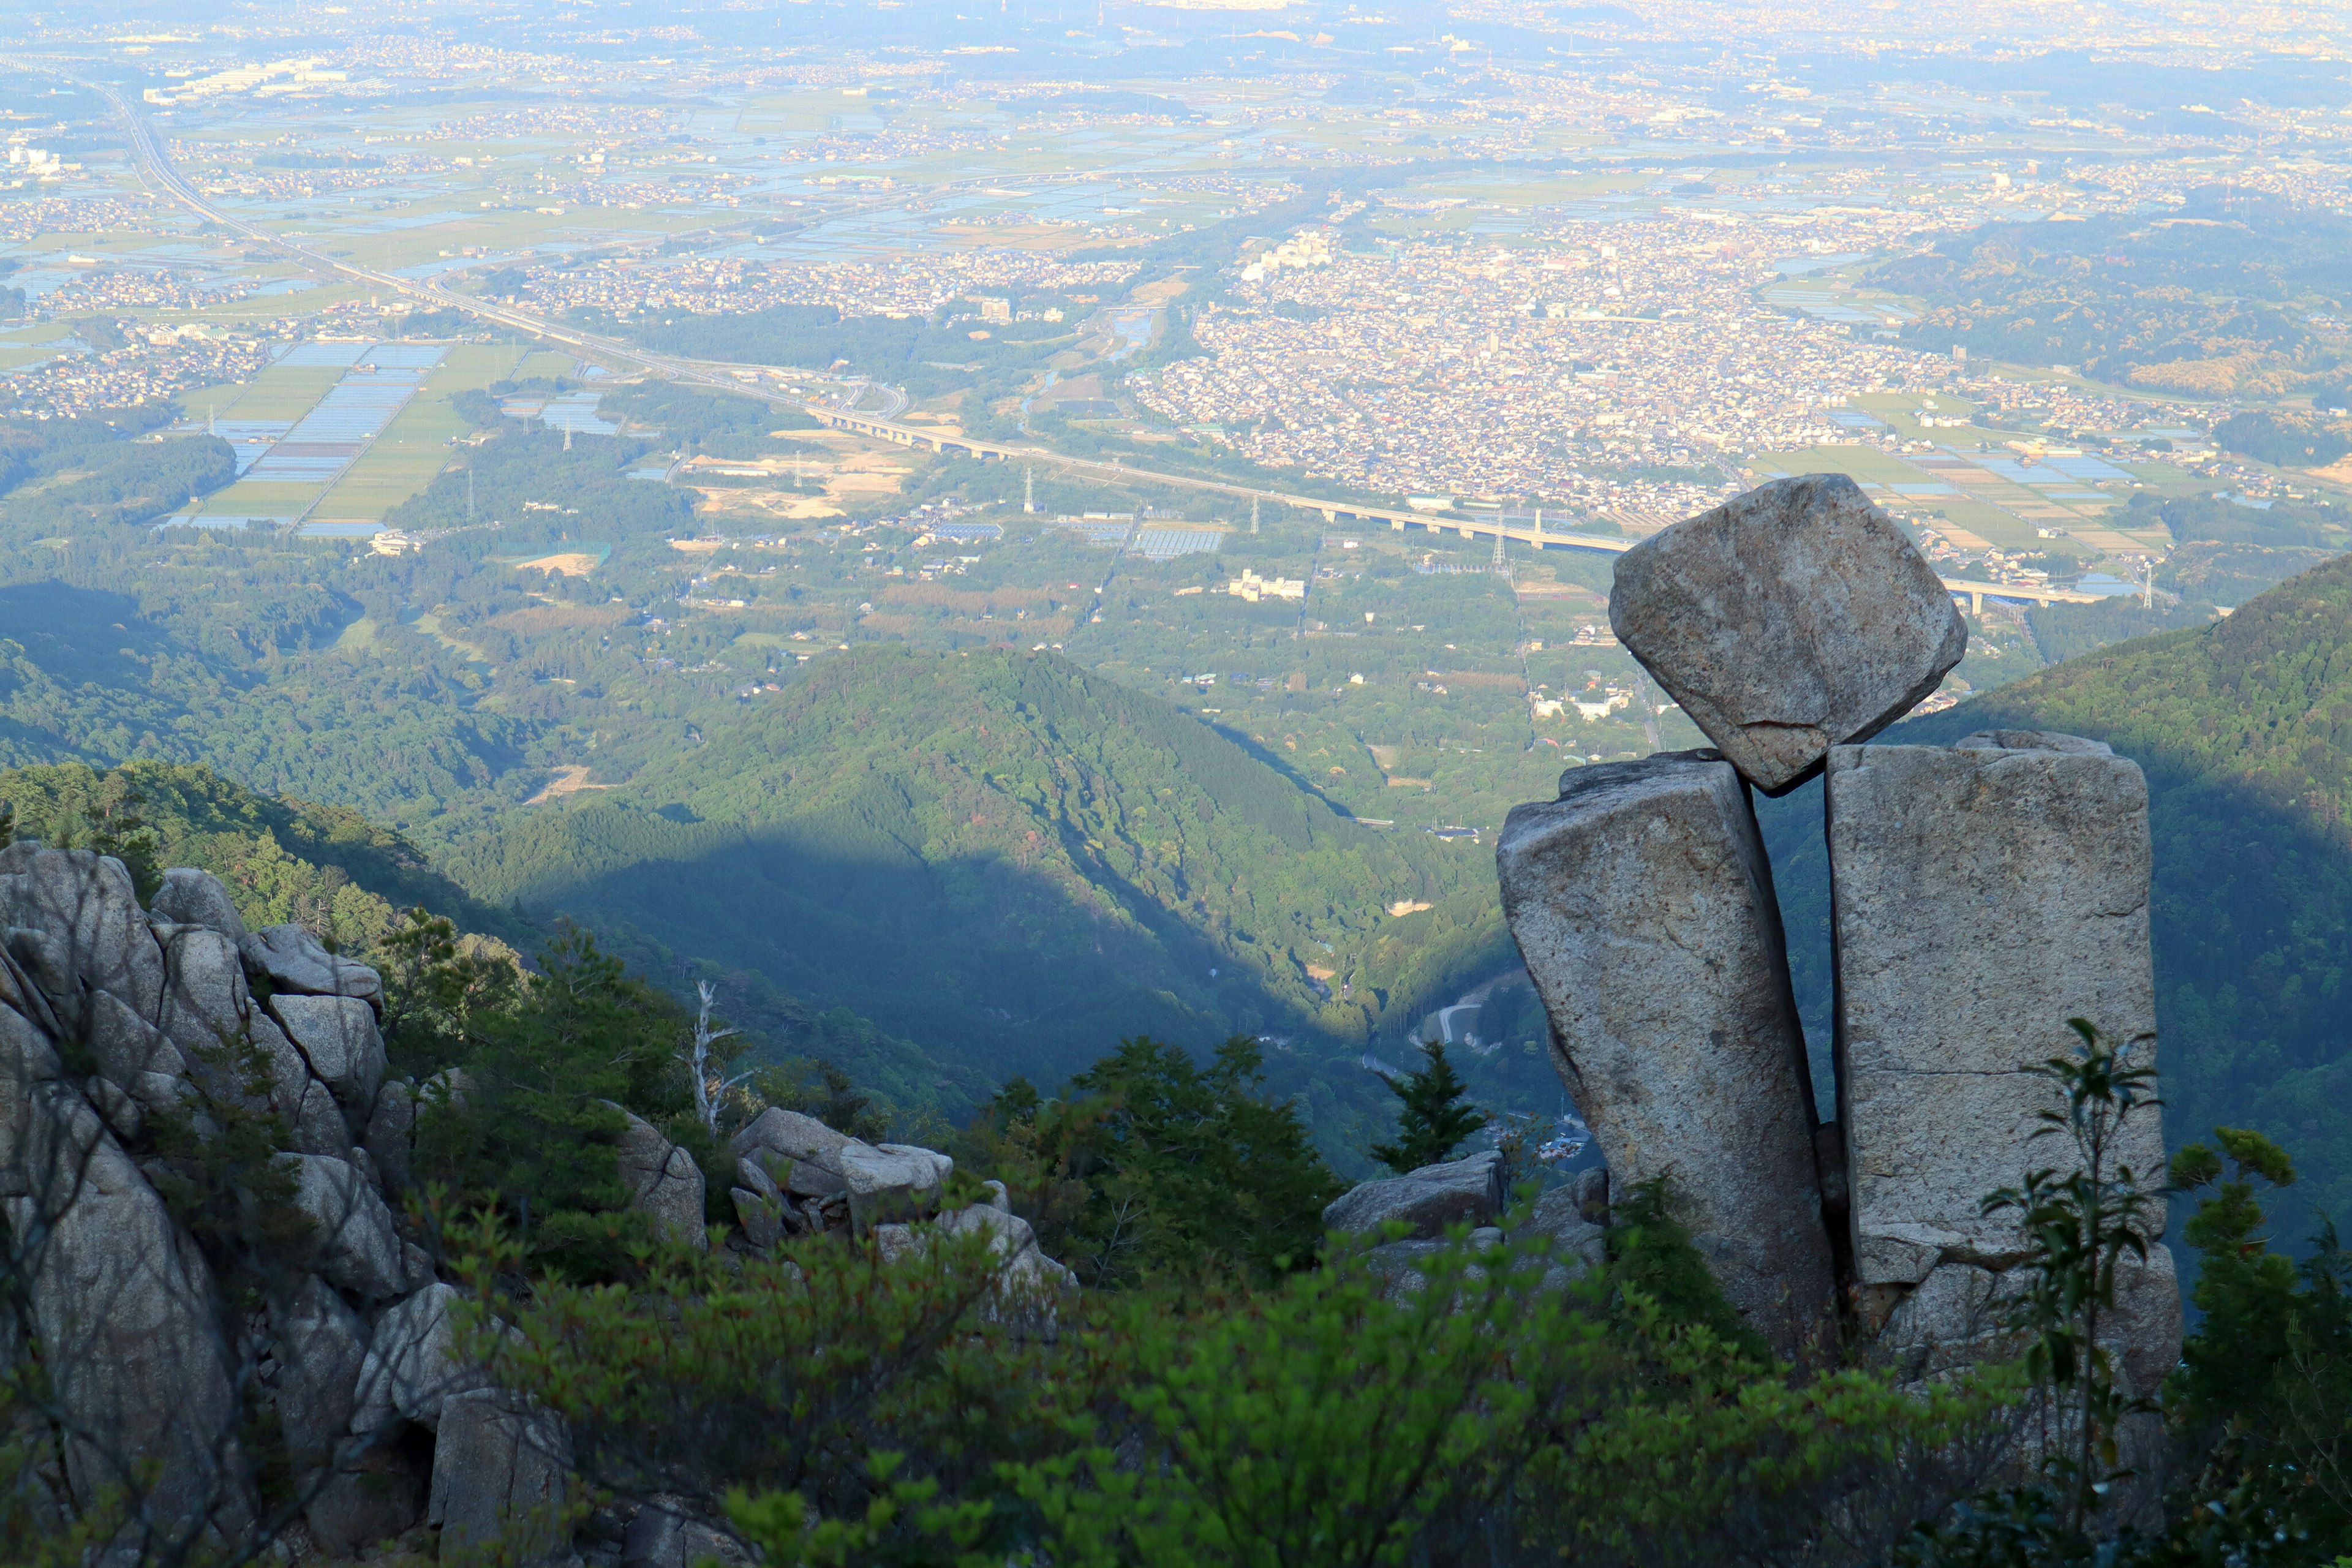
(1982, 895)
(1792, 618)
(1643, 903)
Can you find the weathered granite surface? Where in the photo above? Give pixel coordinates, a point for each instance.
(1982, 895)
(1643, 904)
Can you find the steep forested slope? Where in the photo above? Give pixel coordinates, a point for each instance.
(1001, 853)
(324, 865)
(2245, 730)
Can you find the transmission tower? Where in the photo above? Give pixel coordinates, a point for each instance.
(1253, 514)
(1028, 490)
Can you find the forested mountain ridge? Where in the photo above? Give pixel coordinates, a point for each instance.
(1000, 851)
(282, 860)
(2244, 728)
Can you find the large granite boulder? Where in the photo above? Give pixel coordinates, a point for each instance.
(892, 1181)
(1426, 1201)
(1643, 904)
(358, 1244)
(412, 1367)
(318, 1345)
(1983, 895)
(122, 1305)
(500, 1480)
(338, 1038)
(192, 898)
(293, 960)
(1030, 1286)
(205, 1004)
(802, 1153)
(84, 929)
(1788, 620)
(663, 1182)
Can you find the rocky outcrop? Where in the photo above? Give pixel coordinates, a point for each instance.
(1793, 618)
(1435, 1199)
(357, 1245)
(1643, 904)
(663, 1182)
(870, 1183)
(337, 1036)
(1427, 1201)
(1984, 894)
(291, 958)
(500, 1480)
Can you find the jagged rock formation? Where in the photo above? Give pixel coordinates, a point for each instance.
(120, 1025)
(1983, 894)
(1643, 903)
(1788, 620)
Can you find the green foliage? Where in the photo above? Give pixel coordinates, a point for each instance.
(2287, 442)
(2079, 1222)
(1651, 1254)
(1159, 1167)
(1436, 1116)
(2266, 1380)
(440, 992)
(2114, 295)
(520, 474)
(714, 1374)
(708, 422)
(1001, 851)
(2062, 632)
(530, 1119)
(909, 350)
(283, 861)
(73, 487)
(1482, 1417)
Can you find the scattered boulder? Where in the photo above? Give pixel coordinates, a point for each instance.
(192, 898)
(338, 1036)
(1791, 619)
(1030, 1286)
(1643, 904)
(1578, 1245)
(1428, 1200)
(890, 1179)
(358, 1246)
(802, 1153)
(294, 960)
(501, 1475)
(663, 1182)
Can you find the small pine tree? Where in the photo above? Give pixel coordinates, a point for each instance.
(1437, 1115)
